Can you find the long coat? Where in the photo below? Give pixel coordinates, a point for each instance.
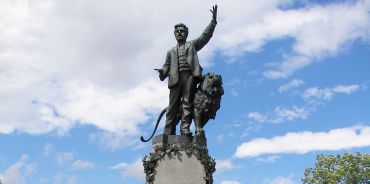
(171, 65)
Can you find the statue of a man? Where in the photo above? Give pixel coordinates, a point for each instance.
(183, 69)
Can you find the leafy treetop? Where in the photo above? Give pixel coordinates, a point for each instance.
(339, 169)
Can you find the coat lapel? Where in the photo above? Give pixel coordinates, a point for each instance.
(174, 49)
(187, 45)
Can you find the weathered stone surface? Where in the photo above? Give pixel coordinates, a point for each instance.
(180, 139)
(176, 159)
(179, 168)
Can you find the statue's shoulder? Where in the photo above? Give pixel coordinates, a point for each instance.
(170, 51)
(190, 44)
(173, 49)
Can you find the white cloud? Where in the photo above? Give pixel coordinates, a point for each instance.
(292, 84)
(224, 165)
(318, 31)
(109, 110)
(324, 94)
(253, 127)
(134, 170)
(286, 114)
(64, 157)
(113, 111)
(19, 171)
(234, 92)
(256, 116)
(347, 89)
(82, 165)
(60, 157)
(113, 141)
(281, 114)
(281, 180)
(48, 150)
(306, 141)
(68, 63)
(287, 67)
(327, 93)
(269, 159)
(313, 94)
(230, 182)
(56, 74)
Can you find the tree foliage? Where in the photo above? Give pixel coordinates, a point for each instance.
(339, 169)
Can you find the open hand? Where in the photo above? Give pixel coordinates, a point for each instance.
(214, 12)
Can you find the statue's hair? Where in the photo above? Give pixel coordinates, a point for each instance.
(182, 25)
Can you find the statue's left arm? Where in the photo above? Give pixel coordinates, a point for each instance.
(207, 34)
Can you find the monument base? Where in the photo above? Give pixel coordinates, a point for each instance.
(176, 159)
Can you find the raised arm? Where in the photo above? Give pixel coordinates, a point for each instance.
(207, 34)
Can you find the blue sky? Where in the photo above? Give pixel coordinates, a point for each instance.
(78, 89)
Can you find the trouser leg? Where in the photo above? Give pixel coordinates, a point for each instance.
(172, 110)
(187, 102)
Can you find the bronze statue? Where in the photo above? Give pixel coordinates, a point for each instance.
(184, 72)
(183, 69)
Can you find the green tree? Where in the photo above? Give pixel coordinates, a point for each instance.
(339, 169)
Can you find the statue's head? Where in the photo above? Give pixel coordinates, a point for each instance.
(181, 32)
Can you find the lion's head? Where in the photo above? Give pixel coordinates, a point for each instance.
(208, 96)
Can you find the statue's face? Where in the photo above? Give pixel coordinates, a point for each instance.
(181, 34)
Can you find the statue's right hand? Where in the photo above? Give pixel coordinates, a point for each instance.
(161, 74)
(162, 77)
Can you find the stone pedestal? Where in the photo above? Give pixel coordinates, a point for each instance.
(176, 159)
